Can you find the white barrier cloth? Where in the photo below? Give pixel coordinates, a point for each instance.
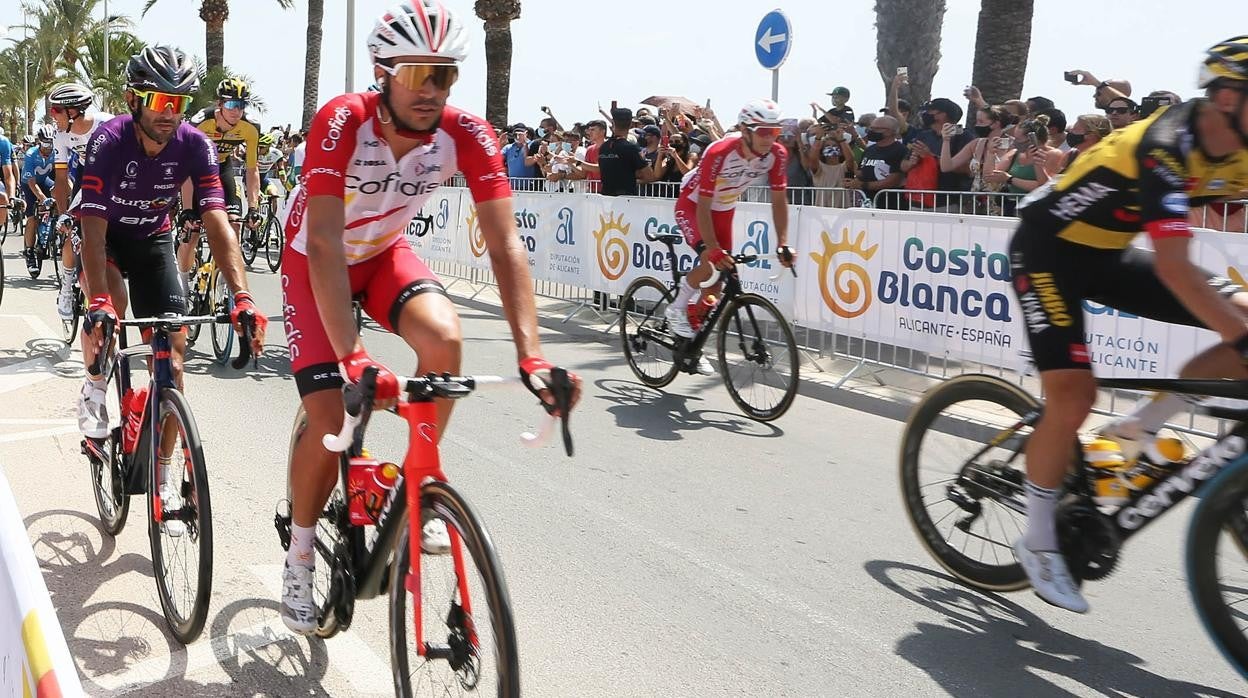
(34, 660)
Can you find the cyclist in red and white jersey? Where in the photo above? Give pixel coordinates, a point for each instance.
(372, 161)
(708, 197)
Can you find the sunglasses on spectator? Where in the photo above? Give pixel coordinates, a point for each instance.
(160, 101)
(1117, 110)
(413, 75)
(765, 131)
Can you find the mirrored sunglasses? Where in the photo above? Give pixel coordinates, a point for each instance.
(235, 104)
(413, 75)
(160, 101)
(767, 131)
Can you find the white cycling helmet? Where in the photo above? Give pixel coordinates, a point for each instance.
(418, 28)
(46, 132)
(759, 112)
(71, 95)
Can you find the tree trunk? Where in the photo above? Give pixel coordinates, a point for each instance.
(312, 62)
(908, 34)
(497, 70)
(214, 13)
(1002, 42)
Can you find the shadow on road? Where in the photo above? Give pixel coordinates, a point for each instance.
(990, 646)
(661, 416)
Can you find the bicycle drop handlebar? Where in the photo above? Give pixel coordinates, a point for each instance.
(358, 398)
(169, 323)
(738, 259)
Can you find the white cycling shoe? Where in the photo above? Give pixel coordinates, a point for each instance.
(434, 538)
(1049, 577)
(704, 367)
(92, 413)
(298, 611)
(65, 301)
(171, 500)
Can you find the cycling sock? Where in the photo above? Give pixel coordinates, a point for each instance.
(1150, 416)
(68, 274)
(97, 382)
(684, 294)
(302, 539)
(1041, 517)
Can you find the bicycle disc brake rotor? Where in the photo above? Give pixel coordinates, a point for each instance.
(464, 659)
(1087, 539)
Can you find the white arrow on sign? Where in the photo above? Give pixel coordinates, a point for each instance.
(767, 40)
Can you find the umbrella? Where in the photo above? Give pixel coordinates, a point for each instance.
(686, 105)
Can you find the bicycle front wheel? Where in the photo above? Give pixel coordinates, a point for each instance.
(758, 357)
(274, 243)
(964, 498)
(70, 326)
(1217, 564)
(248, 244)
(467, 632)
(221, 301)
(649, 346)
(181, 554)
(107, 464)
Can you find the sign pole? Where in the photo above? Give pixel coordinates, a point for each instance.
(775, 85)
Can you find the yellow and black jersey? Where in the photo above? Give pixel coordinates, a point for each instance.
(1139, 178)
(243, 133)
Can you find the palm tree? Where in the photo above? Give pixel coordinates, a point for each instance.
(12, 100)
(498, 16)
(215, 13)
(109, 82)
(312, 61)
(1002, 41)
(72, 21)
(908, 34)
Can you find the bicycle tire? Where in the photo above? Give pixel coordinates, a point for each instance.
(731, 321)
(198, 527)
(641, 319)
(1, 275)
(70, 326)
(1222, 500)
(247, 243)
(220, 300)
(1005, 574)
(448, 505)
(111, 501)
(274, 244)
(54, 253)
(330, 530)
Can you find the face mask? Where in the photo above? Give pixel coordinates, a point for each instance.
(983, 131)
(567, 147)
(1075, 139)
(862, 131)
(928, 119)
(874, 136)
(541, 133)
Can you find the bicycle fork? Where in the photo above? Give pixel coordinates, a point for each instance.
(422, 464)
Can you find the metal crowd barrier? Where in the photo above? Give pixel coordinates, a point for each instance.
(966, 203)
(1228, 217)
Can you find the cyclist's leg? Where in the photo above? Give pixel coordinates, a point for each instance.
(406, 298)
(233, 198)
(32, 218)
(687, 221)
(156, 289)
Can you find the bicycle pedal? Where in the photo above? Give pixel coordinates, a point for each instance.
(282, 524)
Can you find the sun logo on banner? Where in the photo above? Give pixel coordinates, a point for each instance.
(612, 250)
(476, 238)
(1238, 279)
(850, 293)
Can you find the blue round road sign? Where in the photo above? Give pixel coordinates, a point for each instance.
(773, 39)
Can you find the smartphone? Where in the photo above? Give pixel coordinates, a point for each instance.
(545, 110)
(1148, 105)
(1071, 77)
(903, 70)
(663, 140)
(614, 105)
(1033, 139)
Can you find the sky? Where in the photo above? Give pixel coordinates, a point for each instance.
(572, 56)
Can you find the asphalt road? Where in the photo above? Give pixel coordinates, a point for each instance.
(684, 551)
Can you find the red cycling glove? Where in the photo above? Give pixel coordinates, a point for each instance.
(99, 311)
(244, 304)
(352, 368)
(716, 255)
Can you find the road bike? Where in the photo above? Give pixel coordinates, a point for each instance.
(446, 625)
(69, 328)
(207, 294)
(757, 353)
(962, 479)
(263, 231)
(146, 424)
(14, 216)
(47, 243)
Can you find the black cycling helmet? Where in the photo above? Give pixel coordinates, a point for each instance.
(233, 88)
(162, 68)
(1226, 62)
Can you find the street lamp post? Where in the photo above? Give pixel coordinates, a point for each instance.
(350, 45)
(106, 23)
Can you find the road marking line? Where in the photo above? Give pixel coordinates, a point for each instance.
(39, 433)
(355, 660)
(32, 421)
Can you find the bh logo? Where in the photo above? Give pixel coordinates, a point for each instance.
(476, 238)
(758, 242)
(611, 249)
(564, 233)
(849, 294)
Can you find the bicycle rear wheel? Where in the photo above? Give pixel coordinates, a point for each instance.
(183, 563)
(649, 346)
(964, 499)
(247, 244)
(758, 357)
(467, 626)
(70, 326)
(221, 300)
(274, 244)
(1217, 564)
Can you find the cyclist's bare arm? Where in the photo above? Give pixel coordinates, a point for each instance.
(60, 188)
(94, 258)
(8, 179)
(780, 214)
(327, 265)
(511, 269)
(1189, 285)
(253, 187)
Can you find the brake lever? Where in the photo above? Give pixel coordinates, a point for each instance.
(248, 321)
(561, 391)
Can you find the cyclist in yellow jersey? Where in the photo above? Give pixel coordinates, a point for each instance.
(1073, 243)
(228, 127)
